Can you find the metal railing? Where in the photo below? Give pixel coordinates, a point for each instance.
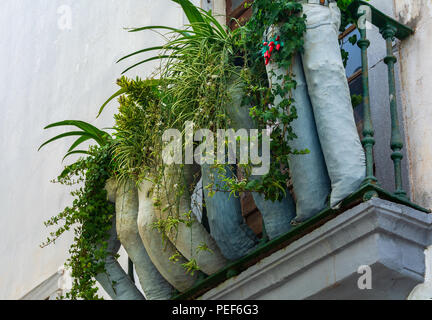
(389, 29)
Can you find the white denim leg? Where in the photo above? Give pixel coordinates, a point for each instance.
(331, 101)
(155, 287)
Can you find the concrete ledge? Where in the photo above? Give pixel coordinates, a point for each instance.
(47, 290)
(388, 237)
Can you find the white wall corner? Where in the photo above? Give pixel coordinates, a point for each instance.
(424, 291)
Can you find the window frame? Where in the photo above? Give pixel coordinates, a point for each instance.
(342, 36)
(240, 12)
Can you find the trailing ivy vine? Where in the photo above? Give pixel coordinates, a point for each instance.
(90, 216)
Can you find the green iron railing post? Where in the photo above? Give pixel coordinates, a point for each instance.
(368, 140)
(388, 33)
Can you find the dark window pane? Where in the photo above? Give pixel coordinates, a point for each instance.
(235, 4)
(356, 88)
(354, 60)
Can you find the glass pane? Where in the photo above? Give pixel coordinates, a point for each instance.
(354, 59)
(235, 4)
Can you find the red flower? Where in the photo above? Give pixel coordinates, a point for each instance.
(278, 47)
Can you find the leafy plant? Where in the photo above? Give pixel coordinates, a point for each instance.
(87, 132)
(199, 62)
(286, 15)
(90, 216)
(257, 93)
(139, 125)
(191, 266)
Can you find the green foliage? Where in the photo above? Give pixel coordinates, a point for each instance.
(203, 27)
(200, 63)
(356, 100)
(191, 266)
(139, 125)
(195, 77)
(292, 26)
(88, 132)
(90, 216)
(197, 67)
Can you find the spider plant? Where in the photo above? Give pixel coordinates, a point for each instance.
(198, 65)
(203, 27)
(190, 51)
(86, 132)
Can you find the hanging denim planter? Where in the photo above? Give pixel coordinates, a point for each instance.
(187, 238)
(160, 250)
(155, 287)
(227, 226)
(276, 215)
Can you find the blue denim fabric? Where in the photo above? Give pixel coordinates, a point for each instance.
(331, 101)
(276, 215)
(227, 226)
(311, 183)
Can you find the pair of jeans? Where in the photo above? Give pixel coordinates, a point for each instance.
(325, 125)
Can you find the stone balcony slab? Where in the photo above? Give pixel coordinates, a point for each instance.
(324, 264)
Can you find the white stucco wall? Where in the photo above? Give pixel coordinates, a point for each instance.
(51, 73)
(416, 79)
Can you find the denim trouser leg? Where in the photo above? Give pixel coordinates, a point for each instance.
(155, 287)
(331, 101)
(227, 226)
(308, 172)
(276, 215)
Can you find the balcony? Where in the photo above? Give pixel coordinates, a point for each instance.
(325, 257)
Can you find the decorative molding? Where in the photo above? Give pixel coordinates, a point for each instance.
(51, 288)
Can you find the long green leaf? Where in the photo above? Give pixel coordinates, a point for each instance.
(74, 152)
(146, 60)
(85, 126)
(175, 30)
(191, 11)
(78, 142)
(66, 134)
(142, 51)
(118, 93)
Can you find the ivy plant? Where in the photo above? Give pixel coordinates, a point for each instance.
(90, 216)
